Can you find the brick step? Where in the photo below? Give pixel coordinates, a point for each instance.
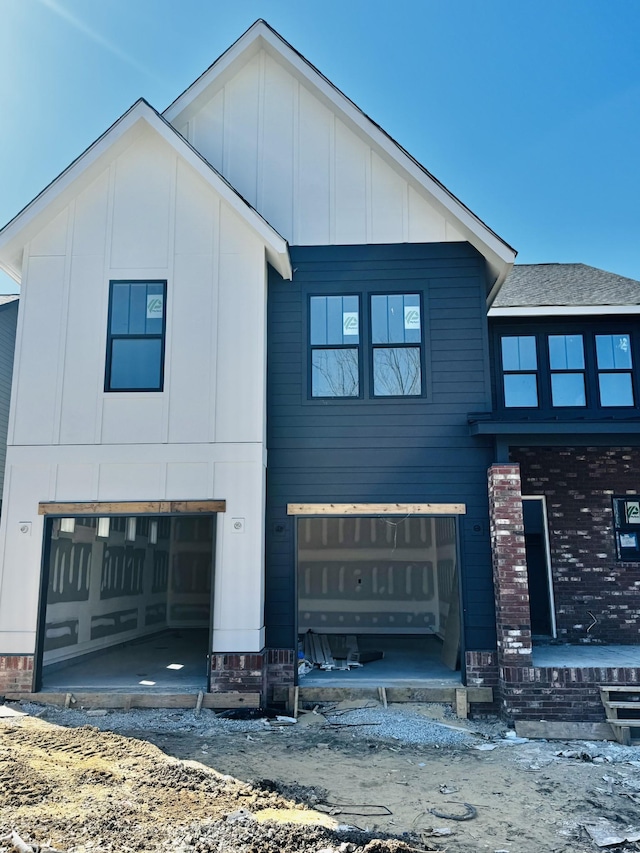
(619, 688)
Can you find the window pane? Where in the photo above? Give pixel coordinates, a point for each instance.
(614, 352)
(135, 363)
(615, 389)
(334, 373)
(520, 390)
(567, 389)
(318, 316)
(137, 309)
(519, 353)
(566, 352)
(334, 320)
(120, 309)
(395, 319)
(397, 371)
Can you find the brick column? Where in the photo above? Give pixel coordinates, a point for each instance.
(511, 585)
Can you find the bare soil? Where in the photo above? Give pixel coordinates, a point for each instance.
(193, 788)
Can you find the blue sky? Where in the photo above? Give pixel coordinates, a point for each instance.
(528, 111)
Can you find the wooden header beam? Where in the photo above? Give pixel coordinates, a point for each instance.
(103, 508)
(376, 509)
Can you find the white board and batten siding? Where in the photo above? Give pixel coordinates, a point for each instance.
(312, 174)
(148, 215)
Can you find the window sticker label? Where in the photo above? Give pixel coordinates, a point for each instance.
(629, 540)
(632, 509)
(412, 317)
(349, 322)
(155, 306)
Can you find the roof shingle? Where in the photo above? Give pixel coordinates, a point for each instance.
(530, 285)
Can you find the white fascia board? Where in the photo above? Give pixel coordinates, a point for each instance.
(16, 234)
(564, 311)
(500, 256)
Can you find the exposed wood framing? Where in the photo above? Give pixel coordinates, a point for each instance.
(376, 509)
(103, 508)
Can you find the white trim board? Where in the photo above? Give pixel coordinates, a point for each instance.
(564, 311)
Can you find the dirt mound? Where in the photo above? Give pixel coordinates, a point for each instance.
(82, 789)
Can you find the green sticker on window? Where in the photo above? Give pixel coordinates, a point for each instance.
(412, 317)
(155, 306)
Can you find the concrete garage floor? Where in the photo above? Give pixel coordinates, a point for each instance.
(409, 661)
(137, 667)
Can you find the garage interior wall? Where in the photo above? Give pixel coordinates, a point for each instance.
(111, 580)
(376, 575)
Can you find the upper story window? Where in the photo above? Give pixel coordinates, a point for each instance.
(135, 336)
(335, 346)
(615, 383)
(566, 363)
(396, 341)
(549, 371)
(387, 328)
(520, 366)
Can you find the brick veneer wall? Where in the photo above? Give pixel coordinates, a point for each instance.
(547, 693)
(511, 587)
(579, 483)
(280, 670)
(16, 673)
(237, 671)
(481, 669)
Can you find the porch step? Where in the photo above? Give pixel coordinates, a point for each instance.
(617, 702)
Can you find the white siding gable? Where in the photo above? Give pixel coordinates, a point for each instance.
(312, 176)
(149, 215)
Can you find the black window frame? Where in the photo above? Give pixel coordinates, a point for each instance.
(589, 330)
(137, 336)
(567, 371)
(372, 347)
(616, 371)
(535, 373)
(311, 347)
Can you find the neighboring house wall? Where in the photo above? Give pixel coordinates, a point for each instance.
(311, 173)
(147, 216)
(8, 321)
(597, 596)
(377, 450)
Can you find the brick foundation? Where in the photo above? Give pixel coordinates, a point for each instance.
(253, 672)
(597, 597)
(237, 671)
(16, 673)
(482, 671)
(280, 670)
(547, 693)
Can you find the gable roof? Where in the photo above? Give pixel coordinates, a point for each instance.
(260, 35)
(564, 289)
(62, 189)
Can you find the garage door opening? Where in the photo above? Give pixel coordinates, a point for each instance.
(378, 598)
(126, 603)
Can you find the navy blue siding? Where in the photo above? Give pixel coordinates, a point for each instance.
(375, 450)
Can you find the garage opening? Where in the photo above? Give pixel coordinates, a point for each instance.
(378, 599)
(126, 603)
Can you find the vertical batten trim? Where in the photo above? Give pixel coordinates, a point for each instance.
(169, 302)
(108, 249)
(332, 180)
(17, 356)
(405, 212)
(215, 316)
(260, 131)
(368, 190)
(295, 205)
(63, 324)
